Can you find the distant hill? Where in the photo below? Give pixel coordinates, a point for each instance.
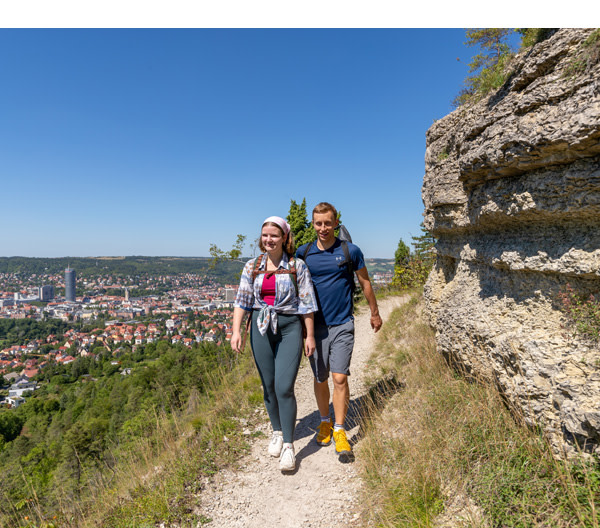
(378, 265)
(224, 272)
(136, 265)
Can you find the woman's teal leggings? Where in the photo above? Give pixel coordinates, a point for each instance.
(277, 358)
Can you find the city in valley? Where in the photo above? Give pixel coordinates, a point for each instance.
(51, 318)
(183, 308)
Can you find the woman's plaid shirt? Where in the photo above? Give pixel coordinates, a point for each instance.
(286, 301)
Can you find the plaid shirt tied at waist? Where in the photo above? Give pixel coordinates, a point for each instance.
(249, 295)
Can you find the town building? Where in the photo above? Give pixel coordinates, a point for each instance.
(70, 290)
(46, 293)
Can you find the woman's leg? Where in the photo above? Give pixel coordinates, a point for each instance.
(287, 361)
(263, 349)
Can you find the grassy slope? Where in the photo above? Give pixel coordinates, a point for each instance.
(159, 479)
(447, 449)
(435, 447)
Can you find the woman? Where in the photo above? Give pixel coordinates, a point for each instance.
(278, 289)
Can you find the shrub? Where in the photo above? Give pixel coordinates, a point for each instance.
(582, 312)
(411, 275)
(532, 36)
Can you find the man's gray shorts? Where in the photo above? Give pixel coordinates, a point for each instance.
(334, 350)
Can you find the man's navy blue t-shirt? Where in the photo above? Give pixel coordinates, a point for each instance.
(332, 283)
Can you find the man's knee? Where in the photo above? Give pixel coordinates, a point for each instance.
(339, 380)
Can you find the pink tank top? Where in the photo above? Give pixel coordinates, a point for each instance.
(268, 289)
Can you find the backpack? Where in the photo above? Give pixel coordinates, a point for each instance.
(344, 237)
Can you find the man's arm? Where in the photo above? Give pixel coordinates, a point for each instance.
(365, 284)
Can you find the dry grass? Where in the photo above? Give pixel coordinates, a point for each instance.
(447, 452)
(158, 477)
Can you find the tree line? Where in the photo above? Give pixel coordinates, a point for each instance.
(133, 266)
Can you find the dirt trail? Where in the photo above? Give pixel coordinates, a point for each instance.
(321, 492)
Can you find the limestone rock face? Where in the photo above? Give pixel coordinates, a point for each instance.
(512, 193)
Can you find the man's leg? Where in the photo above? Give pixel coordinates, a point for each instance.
(319, 362)
(322, 397)
(340, 357)
(323, 437)
(341, 400)
(341, 397)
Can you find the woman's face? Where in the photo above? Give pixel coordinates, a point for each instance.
(272, 239)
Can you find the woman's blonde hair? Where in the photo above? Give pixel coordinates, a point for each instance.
(288, 243)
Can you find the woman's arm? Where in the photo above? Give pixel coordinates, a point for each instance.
(236, 336)
(307, 300)
(309, 343)
(244, 300)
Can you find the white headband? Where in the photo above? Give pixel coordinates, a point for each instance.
(285, 227)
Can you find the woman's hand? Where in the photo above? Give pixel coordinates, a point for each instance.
(309, 327)
(236, 335)
(236, 342)
(309, 346)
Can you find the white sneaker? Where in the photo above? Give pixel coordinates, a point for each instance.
(287, 460)
(276, 443)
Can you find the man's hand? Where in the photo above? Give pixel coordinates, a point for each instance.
(376, 322)
(365, 284)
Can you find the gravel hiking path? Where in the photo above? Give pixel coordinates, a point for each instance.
(322, 492)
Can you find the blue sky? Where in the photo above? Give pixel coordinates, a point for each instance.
(163, 141)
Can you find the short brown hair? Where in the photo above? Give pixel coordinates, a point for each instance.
(288, 244)
(325, 207)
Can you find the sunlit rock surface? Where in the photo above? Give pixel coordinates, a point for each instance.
(512, 192)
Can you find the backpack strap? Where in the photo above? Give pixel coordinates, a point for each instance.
(348, 264)
(292, 271)
(255, 269)
(308, 246)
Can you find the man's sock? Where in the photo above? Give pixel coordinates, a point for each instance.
(337, 427)
(325, 418)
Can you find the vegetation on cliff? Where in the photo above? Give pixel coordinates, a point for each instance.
(448, 452)
(488, 68)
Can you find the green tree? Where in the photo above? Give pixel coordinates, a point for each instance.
(531, 36)
(301, 226)
(234, 254)
(402, 255)
(487, 68)
(10, 425)
(416, 268)
(423, 246)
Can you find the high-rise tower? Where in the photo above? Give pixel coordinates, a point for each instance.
(46, 293)
(70, 285)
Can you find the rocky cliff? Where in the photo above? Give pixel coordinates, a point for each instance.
(512, 193)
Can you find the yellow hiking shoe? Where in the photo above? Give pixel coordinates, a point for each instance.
(324, 434)
(342, 446)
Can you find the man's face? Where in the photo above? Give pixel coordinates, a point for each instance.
(325, 224)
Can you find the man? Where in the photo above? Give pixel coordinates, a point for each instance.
(334, 322)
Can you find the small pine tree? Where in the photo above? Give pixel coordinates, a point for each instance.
(301, 227)
(402, 255)
(412, 269)
(423, 246)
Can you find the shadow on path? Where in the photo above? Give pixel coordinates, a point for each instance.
(360, 411)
